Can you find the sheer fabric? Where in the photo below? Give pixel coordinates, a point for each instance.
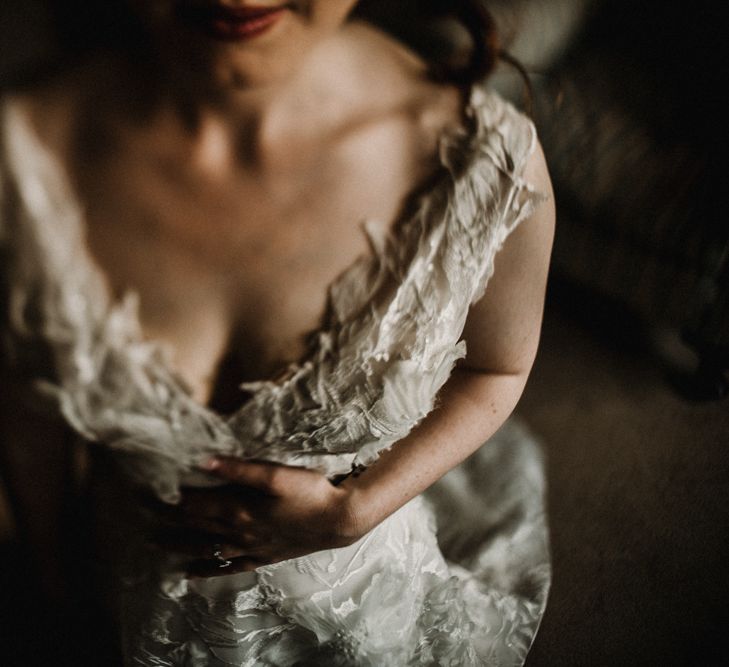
(458, 576)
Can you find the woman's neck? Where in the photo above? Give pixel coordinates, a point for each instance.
(332, 88)
(351, 78)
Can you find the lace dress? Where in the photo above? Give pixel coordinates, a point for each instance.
(458, 576)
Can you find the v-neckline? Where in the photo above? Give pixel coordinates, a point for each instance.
(443, 176)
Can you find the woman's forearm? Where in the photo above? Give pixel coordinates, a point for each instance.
(471, 406)
(298, 511)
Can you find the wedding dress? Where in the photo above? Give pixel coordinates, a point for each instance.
(458, 576)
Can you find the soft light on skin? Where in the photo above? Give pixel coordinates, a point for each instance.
(188, 53)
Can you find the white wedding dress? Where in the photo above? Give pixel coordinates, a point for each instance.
(456, 577)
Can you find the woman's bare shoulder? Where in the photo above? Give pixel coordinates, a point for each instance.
(384, 75)
(536, 174)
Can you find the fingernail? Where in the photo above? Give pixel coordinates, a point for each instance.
(210, 464)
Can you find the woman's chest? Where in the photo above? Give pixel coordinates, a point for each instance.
(234, 273)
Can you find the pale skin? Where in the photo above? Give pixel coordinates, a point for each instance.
(233, 207)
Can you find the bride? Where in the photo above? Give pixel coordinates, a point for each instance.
(306, 197)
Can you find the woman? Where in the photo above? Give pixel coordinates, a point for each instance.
(217, 177)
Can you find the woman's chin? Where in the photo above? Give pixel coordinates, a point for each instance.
(246, 44)
(254, 61)
(231, 69)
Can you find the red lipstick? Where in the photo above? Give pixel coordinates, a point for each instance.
(232, 24)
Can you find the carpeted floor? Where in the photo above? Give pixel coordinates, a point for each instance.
(639, 487)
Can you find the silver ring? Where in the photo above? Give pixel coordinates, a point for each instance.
(218, 556)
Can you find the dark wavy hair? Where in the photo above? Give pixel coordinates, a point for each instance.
(457, 38)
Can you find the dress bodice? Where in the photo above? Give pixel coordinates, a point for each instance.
(389, 342)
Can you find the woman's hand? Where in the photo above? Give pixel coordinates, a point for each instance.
(267, 513)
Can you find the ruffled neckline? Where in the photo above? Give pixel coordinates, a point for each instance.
(376, 365)
(450, 140)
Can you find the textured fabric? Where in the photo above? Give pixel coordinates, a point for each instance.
(390, 343)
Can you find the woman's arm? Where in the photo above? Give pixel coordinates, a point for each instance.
(502, 335)
(282, 512)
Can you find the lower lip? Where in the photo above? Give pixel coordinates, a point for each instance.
(231, 28)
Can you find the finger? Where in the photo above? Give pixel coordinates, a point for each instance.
(270, 478)
(224, 532)
(228, 507)
(156, 512)
(198, 546)
(204, 502)
(206, 568)
(202, 543)
(214, 554)
(186, 524)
